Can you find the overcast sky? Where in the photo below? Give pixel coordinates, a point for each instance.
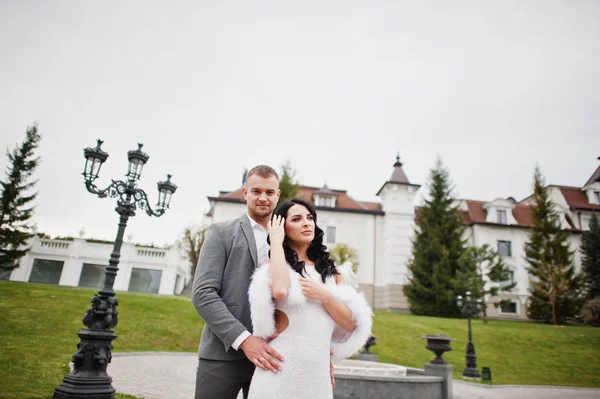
(337, 87)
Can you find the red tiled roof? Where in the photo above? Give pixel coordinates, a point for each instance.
(577, 199)
(343, 203)
(476, 213)
(373, 206)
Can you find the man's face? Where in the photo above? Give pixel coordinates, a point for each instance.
(261, 195)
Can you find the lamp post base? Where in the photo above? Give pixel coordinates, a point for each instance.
(470, 372)
(76, 388)
(88, 379)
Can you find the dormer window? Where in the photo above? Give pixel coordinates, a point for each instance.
(499, 211)
(325, 197)
(501, 217)
(325, 201)
(597, 197)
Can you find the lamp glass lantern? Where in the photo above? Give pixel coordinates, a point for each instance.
(137, 160)
(459, 301)
(94, 158)
(165, 191)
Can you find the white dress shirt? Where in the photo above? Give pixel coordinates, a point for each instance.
(262, 249)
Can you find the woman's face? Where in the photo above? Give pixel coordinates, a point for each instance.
(299, 225)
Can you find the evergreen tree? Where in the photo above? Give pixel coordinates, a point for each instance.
(490, 270)
(288, 185)
(438, 246)
(590, 257)
(15, 199)
(555, 291)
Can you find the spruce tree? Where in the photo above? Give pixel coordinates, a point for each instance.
(288, 186)
(437, 249)
(15, 202)
(555, 290)
(491, 274)
(590, 257)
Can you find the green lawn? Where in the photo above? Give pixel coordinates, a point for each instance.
(517, 352)
(38, 332)
(40, 322)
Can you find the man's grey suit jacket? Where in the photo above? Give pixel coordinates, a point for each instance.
(227, 261)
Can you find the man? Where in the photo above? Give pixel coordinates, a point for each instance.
(228, 353)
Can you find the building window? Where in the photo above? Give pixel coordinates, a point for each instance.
(597, 197)
(46, 271)
(501, 217)
(508, 307)
(504, 248)
(511, 276)
(145, 280)
(331, 231)
(325, 201)
(92, 276)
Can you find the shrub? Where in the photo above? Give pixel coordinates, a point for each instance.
(591, 312)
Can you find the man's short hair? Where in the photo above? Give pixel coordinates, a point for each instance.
(263, 171)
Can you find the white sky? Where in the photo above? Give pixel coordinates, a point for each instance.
(211, 87)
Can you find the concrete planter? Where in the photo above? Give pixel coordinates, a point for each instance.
(360, 379)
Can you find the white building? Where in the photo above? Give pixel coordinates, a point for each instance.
(79, 263)
(382, 232)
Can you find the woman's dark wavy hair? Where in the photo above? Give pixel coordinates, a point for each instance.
(317, 252)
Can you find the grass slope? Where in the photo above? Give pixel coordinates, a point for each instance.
(517, 352)
(40, 322)
(38, 332)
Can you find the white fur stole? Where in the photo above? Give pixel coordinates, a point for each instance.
(343, 343)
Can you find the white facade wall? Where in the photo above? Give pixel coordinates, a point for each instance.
(73, 254)
(480, 234)
(358, 231)
(224, 211)
(398, 230)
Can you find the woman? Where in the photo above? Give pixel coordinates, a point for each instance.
(300, 298)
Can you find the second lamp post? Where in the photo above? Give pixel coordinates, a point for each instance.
(470, 309)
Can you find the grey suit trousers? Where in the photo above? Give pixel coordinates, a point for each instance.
(218, 379)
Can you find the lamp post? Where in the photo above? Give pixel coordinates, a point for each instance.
(89, 379)
(470, 309)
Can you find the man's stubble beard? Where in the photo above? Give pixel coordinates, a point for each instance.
(262, 214)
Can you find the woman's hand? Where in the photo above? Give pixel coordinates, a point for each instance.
(313, 290)
(277, 230)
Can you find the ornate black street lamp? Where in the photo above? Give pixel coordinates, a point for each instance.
(89, 379)
(470, 309)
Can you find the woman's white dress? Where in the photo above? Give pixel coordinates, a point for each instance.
(307, 341)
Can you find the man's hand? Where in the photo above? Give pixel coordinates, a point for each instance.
(261, 354)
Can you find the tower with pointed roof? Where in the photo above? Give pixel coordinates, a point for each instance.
(397, 196)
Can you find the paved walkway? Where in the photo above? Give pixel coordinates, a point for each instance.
(162, 375)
